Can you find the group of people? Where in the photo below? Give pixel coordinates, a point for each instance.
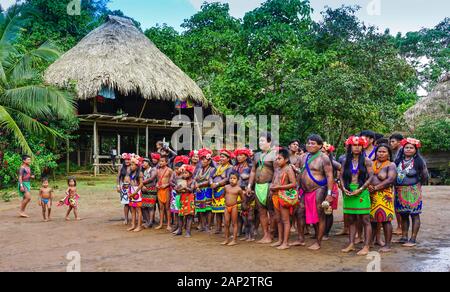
(279, 188)
(46, 193)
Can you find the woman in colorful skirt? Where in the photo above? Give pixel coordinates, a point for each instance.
(203, 191)
(356, 176)
(187, 199)
(412, 173)
(382, 194)
(220, 179)
(149, 192)
(177, 182)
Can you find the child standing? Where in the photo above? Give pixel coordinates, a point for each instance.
(124, 200)
(233, 192)
(45, 199)
(284, 196)
(163, 186)
(71, 198)
(187, 199)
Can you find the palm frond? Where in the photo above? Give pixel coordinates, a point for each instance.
(12, 24)
(7, 122)
(39, 101)
(26, 61)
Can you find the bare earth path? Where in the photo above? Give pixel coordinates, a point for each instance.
(104, 245)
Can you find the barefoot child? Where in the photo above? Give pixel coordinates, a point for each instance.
(163, 186)
(124, 200)
(45, 199)
(187, 199)
(284, 197)
(233, 192)
(71, 198)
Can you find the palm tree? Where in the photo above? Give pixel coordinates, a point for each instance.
(24, 98)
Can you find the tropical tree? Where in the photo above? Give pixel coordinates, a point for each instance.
(26, 103)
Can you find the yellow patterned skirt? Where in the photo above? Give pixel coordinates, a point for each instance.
(382, 206)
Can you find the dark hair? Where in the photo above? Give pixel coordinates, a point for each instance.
(266, 135)
(302, 147)
(235, 173)
(293, 141)
(44, 178)
(385, 145)
(367, 133)
(123, 171)
(419, 162)
(378, 136)
(382, 141)
(179, 164)
(25, 157)
(396, 136)
(316, 138)
(348, 172)
(72, 178)
(284, 153)
(165, 157)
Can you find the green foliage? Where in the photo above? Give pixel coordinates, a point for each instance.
(334, 77)
(43, 162)
(434, 134)
(23, 97)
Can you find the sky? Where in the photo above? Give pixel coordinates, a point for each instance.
(397, 15)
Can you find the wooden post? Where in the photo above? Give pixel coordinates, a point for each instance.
(96, 161)
(67, 156)
(137, 142)
(79, 154)
(146, 141)
(95, 105)
(118, 145)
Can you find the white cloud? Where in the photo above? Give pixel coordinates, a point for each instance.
(238, 8)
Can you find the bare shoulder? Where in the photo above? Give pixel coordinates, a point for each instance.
(368, 162)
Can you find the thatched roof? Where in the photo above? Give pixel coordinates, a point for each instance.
(118, 55)
(435, 105)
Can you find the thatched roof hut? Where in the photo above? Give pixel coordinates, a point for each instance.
(119, 56)
(435, 105)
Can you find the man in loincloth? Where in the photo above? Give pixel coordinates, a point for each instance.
(164, 175)
(261, 177)
(316, 185)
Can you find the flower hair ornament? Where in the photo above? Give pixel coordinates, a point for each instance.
(328, 147)
(156, 156)
(183, 159)
(189, 168)
(411, 141)
(205, 153)
(244, 151)
(227, 153)
(126, 156)
(357, 141)
(193, 153)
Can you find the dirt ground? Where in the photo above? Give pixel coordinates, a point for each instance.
(105, 245)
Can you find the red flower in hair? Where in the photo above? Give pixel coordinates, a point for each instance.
(357, 141)
(411, 141)
(205, 153)
(244, 151)
(227, 153)
(183, 159)
(216, 158)
(189, 168)
(156, 156)
(193, 153)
